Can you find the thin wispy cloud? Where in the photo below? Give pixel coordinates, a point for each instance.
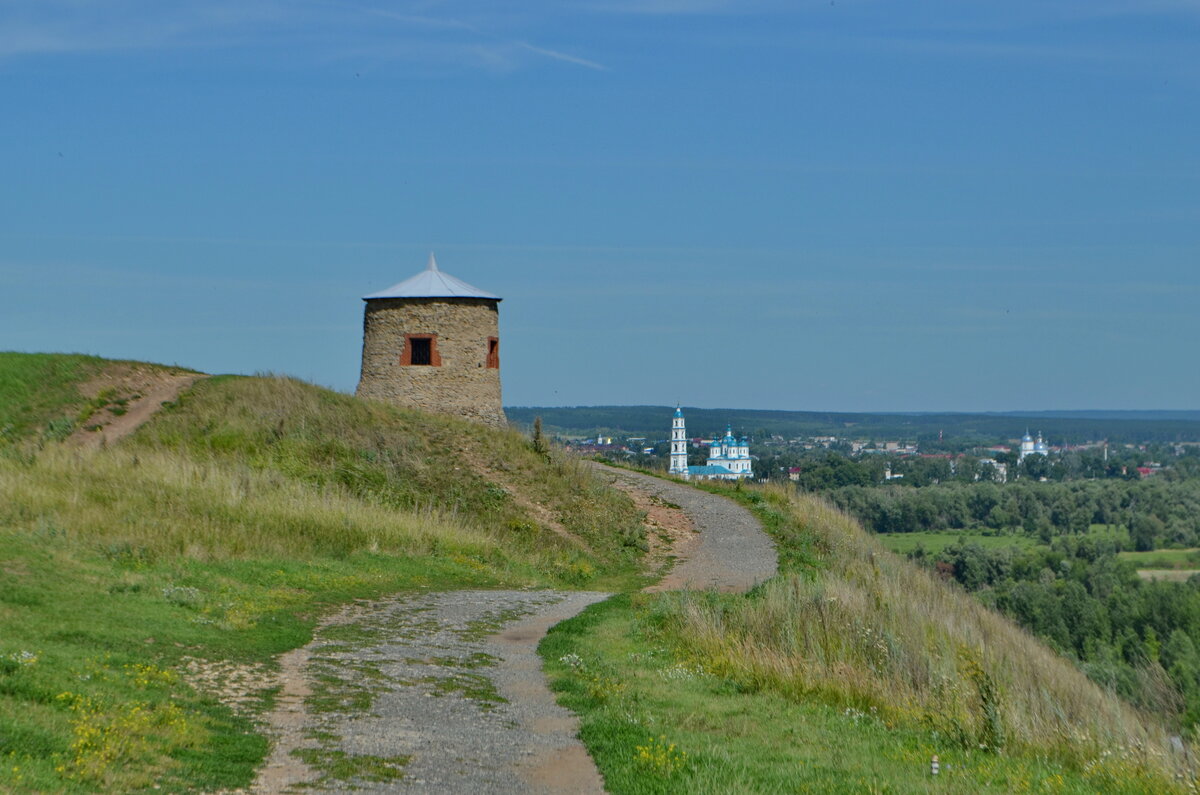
(321, 29)
(562, 56)
(676, 7)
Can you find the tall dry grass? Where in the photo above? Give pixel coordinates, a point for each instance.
(868, 629)
(411, 461)
(274, 467)
(166, 505)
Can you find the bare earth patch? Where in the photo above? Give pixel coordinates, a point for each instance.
(238, 686)
(670, 534)
(132, 394)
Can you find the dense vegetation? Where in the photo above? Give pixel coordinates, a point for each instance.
(822, 469)
(215, 537)
(1156, 513)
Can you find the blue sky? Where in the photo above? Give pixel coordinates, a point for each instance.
(801, 205)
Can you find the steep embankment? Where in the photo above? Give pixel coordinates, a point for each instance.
(210, 541)
(850, 671)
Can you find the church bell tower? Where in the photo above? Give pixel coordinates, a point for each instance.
(678, 446)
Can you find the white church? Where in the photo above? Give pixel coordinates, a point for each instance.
(1030, 447)
(728, 458)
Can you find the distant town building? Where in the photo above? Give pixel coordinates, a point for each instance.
(728, 458)
(679, 465)
(1000, 468)
(1030, 446)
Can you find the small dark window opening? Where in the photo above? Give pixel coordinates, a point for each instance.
(493, 356)
(422, 350)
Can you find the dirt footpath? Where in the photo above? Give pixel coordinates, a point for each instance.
(443, 692)
(732, 553)
(132, 394)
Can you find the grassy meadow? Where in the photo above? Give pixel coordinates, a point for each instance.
(847, 672)
(934, 542)
(1164, 559)
(215, 537)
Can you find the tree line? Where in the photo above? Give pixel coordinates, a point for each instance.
(1155, 513)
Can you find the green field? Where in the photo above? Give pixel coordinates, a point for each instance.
(933, 543)
(1164, 559)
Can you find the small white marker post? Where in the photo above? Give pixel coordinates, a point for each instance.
(934, 767)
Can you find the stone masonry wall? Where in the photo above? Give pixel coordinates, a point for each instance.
(462, 385)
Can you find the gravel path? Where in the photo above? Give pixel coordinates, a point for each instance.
(443, 692)
(733, 553)
(437, 693)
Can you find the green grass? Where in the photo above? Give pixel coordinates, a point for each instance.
(221, 532)
(88, 619)
(935, 542)
(637, 698)
(37, 389)
(224, 529)
(1164, 559)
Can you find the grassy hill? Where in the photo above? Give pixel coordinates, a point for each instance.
(214, 538)
(220, 532)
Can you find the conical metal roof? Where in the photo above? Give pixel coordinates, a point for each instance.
(432, 283)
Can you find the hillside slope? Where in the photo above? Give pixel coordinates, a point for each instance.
(212, 539)
(851, 671)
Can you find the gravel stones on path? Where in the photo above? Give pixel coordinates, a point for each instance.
(442, 693)
(733, 554)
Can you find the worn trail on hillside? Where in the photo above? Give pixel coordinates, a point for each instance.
(443, 692)
(733, 553)
(143, 391)
(440, 692)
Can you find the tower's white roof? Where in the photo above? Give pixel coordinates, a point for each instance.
(432, 283)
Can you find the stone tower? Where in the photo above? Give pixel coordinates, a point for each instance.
(432, 342)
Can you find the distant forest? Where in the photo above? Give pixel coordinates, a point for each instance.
(1069, 427)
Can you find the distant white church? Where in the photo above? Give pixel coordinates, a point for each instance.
(728, 458)
(1031, 447)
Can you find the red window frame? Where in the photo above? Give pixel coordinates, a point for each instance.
(493, 353)
(435, 359)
